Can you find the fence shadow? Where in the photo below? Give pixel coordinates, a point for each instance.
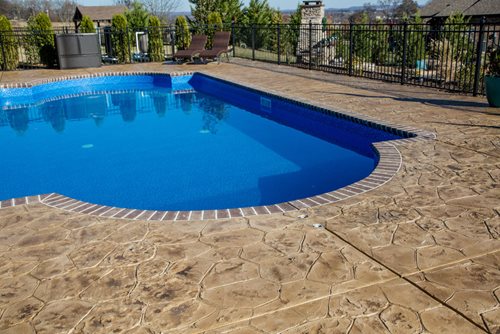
(443, 103)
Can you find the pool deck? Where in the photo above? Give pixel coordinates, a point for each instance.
(419, 254)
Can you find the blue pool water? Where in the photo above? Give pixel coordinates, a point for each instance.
(180, 143)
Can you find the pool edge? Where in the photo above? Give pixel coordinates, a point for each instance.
(390, 161)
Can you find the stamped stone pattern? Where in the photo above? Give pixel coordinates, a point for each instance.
(418, 254)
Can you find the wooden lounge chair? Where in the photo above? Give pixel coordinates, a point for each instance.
(220, 47)
(197, 45)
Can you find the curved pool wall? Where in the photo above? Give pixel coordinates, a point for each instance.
(307, 119)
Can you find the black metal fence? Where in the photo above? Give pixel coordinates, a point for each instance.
(451, 57)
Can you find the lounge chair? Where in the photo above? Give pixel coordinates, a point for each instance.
(220, 47)
(197, 45)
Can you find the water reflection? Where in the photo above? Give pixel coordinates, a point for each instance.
(185, 102)
(160, 103)
(128, 106)
(54, 113)
(18, 119)
(98, 106)
(214, 111)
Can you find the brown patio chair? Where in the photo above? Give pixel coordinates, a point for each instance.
(220, 47)
(197, 45)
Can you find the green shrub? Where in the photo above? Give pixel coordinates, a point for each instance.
(214, 24)
(362, 37)
(379, 46)
(155, 44)
(494, 62)
(9, 57)
(87, 26)
(120, 38)
(41, 36)
(182, 35)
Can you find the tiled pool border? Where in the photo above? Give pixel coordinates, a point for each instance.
(390, 162)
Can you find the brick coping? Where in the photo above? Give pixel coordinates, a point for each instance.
(389, 163)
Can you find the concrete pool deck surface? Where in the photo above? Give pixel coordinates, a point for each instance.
(419, 254)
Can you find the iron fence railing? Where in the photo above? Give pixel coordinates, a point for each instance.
(449, 56)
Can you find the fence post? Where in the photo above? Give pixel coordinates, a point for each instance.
(4, 63)
(253, 41)
(405, 51)
(479, 56)
(351, 46)
(233, 37)
(278, 31)
(310, 44)
(172, 40)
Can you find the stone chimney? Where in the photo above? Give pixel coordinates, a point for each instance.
(313, 12)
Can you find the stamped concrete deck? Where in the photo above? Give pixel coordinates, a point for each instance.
(421, 254)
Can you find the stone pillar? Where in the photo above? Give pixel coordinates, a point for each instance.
(312, 11)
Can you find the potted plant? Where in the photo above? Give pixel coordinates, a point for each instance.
(492, 79)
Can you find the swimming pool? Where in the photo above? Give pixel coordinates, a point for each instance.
(189, 142)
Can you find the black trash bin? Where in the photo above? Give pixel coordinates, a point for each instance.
(78, 50)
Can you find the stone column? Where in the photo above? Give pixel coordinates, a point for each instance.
(312, 11)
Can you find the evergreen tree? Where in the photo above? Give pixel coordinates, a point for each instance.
(155, 44)
(362, 38)
(229, 10)
(9, 46)
(41, 36)
(182, 34)
(214, 24)
(291, 33)
(120, 38)
(277, 19)
(137, 16)
(260, 14)
(87, 26)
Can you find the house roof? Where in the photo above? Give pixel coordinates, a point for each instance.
(100, 13)
(445, 8)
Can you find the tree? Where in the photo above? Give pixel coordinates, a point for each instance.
(388, 7)
(277, 19)
(362, 38)
(182, 34)
(406, 8)
(161, 8)
(9, 57)
(368, 9)
(137, 16)
(127, 3)
(64, 10)
(291, 33)
(120, 38)
(6, 7)
(214, 24)
(416, 49)
(87, 26)
(257, 13)
(155, 45)
(41, 36)
(229, 10)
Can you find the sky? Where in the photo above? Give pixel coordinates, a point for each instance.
(281, 4)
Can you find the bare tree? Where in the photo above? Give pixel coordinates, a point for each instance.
(161, 8)
(127, 3)
(406, 8)
(64, 10)
(388, 7)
